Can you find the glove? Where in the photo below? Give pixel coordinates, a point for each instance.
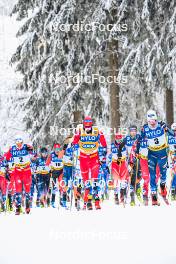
(163, 125)
(65, 146)
(7, 176)
(29, 148)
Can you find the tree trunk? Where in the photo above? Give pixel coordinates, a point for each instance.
(169, 107)
(114, 88)
(77, 117)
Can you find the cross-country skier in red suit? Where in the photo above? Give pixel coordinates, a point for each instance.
(20, 153)
(89, 138)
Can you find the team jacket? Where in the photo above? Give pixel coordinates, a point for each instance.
(68, 156)
(157, 137)
(41, 167)
(21, 157)
(89, 142)
(54, 161)
(143, 150)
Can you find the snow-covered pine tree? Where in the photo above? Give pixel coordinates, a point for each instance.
(48, 53)
(149, 54)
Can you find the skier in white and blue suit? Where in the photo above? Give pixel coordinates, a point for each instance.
(156, 132)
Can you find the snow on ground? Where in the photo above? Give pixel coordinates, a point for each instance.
(112, 235)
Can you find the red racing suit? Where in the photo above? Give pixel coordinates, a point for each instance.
(22, 170)
(88, 145)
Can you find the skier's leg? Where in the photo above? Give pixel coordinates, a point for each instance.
(3, 192)
(18, 188)
(27, 179)
(173, 187)
(47, 189)
(138, 180)
(152, 161)
(84, 167)
(115, 175)
(32, 190)
(145, 175)
(124, 175)
(41, 184)
(94, 167)
(162, 163)
(133, 184)
(54, 189)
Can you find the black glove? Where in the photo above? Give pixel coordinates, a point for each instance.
(163, 125)
(29, 148)
(7, 176)
(65, 146)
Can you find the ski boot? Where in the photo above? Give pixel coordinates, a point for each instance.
(173, 195)
(145, 199)
(116, 198)
(89, 204)
(18, 210)
(42, 203)
(48, 201)
(122, 195)
(85, 206)
(132, 203)
(38, 203)
(155, 199)
(77, 204)
(2, 207)
(53, 204)
(27, 206)
(10, 203)
(97, 203)
(163, 190)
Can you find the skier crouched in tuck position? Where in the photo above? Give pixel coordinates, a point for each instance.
(156, 133)
(119, 168)
(20, 153)
(89, 138)
(55, 162)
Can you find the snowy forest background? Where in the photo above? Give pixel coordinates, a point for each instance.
(35, 53)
